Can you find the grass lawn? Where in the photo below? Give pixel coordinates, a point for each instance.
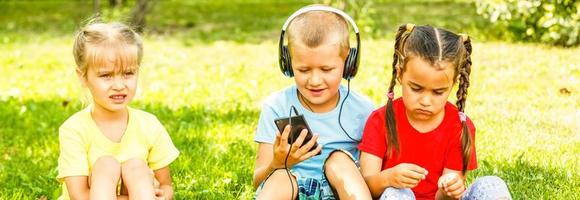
(208, 65)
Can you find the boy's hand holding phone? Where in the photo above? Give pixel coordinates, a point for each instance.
(296, 152)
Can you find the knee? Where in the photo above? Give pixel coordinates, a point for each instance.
(277, 185)
(490, 187)
(397, 194)
(490, 181)
(337, 162)
(107, 165)
(280, 176)
(134, 165)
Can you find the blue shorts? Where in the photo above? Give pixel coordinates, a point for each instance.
(311, 188)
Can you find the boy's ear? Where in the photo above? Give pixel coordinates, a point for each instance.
(82, 77)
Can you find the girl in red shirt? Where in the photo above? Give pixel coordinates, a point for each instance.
(420, 146)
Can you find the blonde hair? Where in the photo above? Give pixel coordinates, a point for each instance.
(98, 44)
(316, 27)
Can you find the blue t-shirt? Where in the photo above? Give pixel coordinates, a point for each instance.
(355, 112)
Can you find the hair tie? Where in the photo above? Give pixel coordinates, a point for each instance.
(391, 95)
(462, 117)
(464, 37)
(410, 27)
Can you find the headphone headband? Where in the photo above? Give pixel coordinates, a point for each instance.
(320, 8)
(352, 60)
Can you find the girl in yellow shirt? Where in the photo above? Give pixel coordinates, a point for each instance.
(108, 145)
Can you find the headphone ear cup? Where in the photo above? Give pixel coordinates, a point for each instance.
(351, 64)
(286, 62)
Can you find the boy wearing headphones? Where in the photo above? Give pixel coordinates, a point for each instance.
(318, 56)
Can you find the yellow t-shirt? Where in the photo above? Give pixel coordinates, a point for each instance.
(82, 143)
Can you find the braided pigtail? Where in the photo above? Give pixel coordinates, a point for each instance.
(463, 71)
(398, 61)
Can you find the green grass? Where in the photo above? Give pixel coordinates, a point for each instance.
(207, 89)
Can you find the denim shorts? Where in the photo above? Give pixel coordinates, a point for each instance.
(312, 188)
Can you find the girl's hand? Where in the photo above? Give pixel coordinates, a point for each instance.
(451, 185)
(405, 175)
(297, 153)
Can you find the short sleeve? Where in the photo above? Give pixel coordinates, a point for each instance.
(373, 140)
(266, 130)
(72, 160)
(162, 151)
(454, 159)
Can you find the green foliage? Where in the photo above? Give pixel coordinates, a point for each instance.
(555, 22)
(121, 13)
(240, 21)
(363, 13)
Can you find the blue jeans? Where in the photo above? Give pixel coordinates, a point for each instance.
(484, 188)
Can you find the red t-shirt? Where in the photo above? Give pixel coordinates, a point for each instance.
(434, 150)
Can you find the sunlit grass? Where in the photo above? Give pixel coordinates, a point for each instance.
(207, 89)
(208, 96)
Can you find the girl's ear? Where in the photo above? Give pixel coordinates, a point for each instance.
(398, 69)
(82, 77)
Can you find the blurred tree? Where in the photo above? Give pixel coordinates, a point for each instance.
(117, 11)
(361, 11)
(115, 3)
(550, 21)
(96, 6)
(142, 7)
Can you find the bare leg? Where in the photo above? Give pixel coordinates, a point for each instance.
(278, 186)
(104, 178)
(138, 178)
(345, 178)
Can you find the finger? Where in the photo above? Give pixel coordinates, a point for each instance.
(277, 140)
(408, 181)
(457, 192)
(453, 185)
(412, 185)
(309, 144)
(406, 185)
(441, 183)
(284, 136)
(312, 153)
(448, 179)
(418, 169)
(409, 173)
(404, 182)
(296, 145)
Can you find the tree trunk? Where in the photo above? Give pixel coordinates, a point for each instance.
(139, 12)
(115, 3)
(96, 6)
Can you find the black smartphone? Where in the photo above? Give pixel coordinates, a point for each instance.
(298, 124)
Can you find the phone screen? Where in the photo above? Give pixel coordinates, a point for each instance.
(298, 124)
